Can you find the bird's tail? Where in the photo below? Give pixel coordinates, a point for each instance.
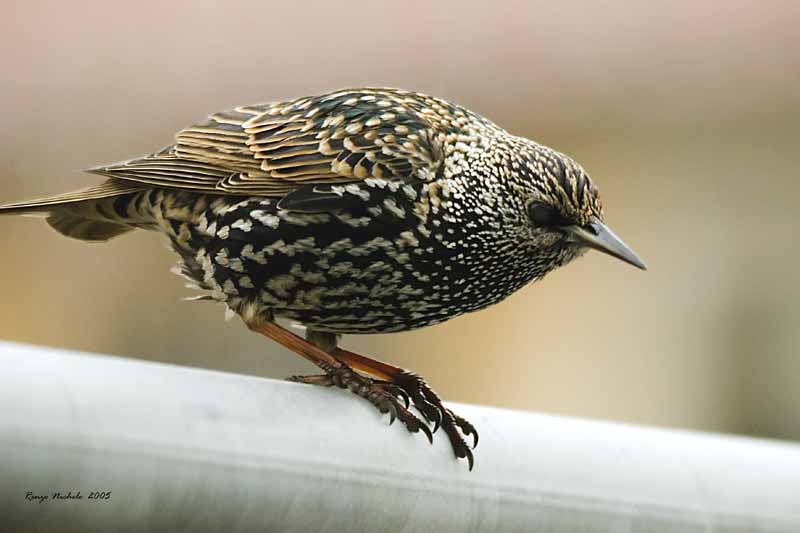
(95, 214)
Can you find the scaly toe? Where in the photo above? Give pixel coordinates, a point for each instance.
(425, 400)
(396, 391)
(466, 428)
(432, 408)
(385, 396)
(323, 380)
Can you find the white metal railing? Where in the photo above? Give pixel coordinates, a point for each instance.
(183, 449)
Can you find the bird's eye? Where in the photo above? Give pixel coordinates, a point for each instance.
(545, 215)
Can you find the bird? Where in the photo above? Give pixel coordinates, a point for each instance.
(357, 211)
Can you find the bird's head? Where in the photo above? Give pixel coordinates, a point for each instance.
(562, 207)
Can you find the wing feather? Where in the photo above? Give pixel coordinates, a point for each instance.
(275, 148)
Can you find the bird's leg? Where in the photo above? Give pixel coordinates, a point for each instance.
(340, 374)
(424, 398)
(327, 342)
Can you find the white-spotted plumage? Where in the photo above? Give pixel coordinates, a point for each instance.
(361, 210)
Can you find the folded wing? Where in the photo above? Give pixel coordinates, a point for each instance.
(273, 149)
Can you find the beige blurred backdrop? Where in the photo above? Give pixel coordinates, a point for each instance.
(685, 113)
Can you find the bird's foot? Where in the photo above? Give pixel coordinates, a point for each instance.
(392, 385)
(405, 384)
(385, 396)
(430, 405)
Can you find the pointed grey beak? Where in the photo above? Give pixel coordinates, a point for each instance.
(598, 236)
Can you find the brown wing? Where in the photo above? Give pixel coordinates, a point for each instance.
(272, 149)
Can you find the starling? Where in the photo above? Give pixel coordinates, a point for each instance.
(358, 211)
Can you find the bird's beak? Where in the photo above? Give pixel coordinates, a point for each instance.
(598, 236)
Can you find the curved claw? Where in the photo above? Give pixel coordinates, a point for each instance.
(438, 422)
(467, 428)
(404, 395)
(412, 423)
(429, 410)
(427, 432)
(470, 458)
(425, 400)
(397, 391)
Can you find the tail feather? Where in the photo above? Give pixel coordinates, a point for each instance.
(84, 229)
(95, 214)
(107, 189)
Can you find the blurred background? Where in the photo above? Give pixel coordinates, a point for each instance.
(685, 113)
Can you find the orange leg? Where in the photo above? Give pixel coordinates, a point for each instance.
(298, 345)
(339, 373)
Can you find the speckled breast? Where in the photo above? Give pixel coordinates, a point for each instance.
(383, 265)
